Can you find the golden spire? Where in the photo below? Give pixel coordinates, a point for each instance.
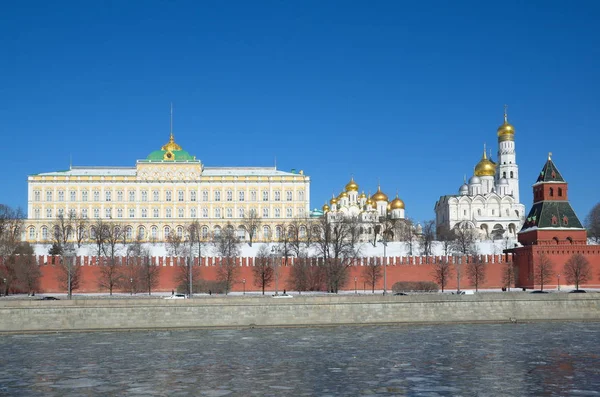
(506, 131)
(549, 156)
(505, 114)
(169, 147)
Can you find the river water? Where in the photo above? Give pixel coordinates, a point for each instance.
(538, 359)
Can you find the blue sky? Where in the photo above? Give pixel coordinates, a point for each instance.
(402, 92)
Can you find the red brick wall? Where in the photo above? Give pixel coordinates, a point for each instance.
(398, 269)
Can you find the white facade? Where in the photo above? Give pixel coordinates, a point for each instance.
(489, 202)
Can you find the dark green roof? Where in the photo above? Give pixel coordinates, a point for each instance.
(550, 173)
(178, 155)
(552, 214)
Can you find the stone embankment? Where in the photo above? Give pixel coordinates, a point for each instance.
(208, 312)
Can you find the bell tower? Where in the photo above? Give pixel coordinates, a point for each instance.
(507, 158)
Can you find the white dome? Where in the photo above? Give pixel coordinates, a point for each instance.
(464, 190)
(474, 180)
(503, 181)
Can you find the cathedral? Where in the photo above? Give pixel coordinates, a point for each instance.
(489, 202)
(375, 213)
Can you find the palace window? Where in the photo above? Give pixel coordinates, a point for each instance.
(277, 232)
(217, 212)
(48, 212)
(277, 213)
(84, 195)
(108, 196)
(241, 196)
(180, 195)
(265, 195)
(193, 213)
(132, 212)
(180, 212)
(49, 195)
(61, 212)
(107, 213)
(253, 195)
(156, 212)
(154, 232)
(73, 195)
(167, 231)
(229, 213)
(61, 195)
(288, 212)
(301, 212)
(44, 233)
(289, 195)
(204, 212)
(179, 232)
(132, 195)
(84, 213)
(266, 232)
(277, 195)
(119, 195)
(302, 232)
(204, 232)
(144, 213)
(265, 212)
(205, 195)
(141, 232)
(37, 213)
(119, 212)
(168, 213)
(193, 195)
(36, 195)
(155, 195)
(96, 213)
(144, 195)
(301, 195)
(168, 196)
(241, 213)
(229, 195)
(217, 196)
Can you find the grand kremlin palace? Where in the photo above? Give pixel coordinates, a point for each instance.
(164, 193)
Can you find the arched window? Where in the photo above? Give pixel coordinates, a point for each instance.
(266, 232)
(512, 174)
(560, 192)
(141, 232)
(167, 231)
(154, 232)
(44, 233)
(204, 231)
(551, 192)
(179, 231)
(504, 174)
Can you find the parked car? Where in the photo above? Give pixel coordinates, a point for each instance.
(577, 291)
(538, 292)
(400, 293)
(49, 298)
(176, 296)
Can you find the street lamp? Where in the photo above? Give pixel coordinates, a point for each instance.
(131, 284)
(384, 241)
(355, 290)
(558, 284)
(273, 252)
(4, 280)
(244, 282)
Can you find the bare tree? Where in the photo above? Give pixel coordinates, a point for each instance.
(464, 241)
(99, 235)
(592, 223)
(336, 250)
(408, 234)
(111, 274)
(80, 226)
(543, 271)
(508, 275)
(176, 244)
(577, 270)
(446, 238)
(146, 275)
(476, 271)
(442, 272)
(263, 270)
(62, 230)
(251, 223)
(427, 237)
(227, 247)
(28, 272)
(188, 277)
(372, 272)
(11, 226)
(69, 274)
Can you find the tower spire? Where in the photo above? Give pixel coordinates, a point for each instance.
(171, 130)
(505, 113)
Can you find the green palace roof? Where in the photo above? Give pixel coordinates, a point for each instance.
(170, 152)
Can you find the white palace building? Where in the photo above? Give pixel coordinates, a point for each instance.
(490, 201)
(163, 193)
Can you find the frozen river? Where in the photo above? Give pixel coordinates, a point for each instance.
(549, 359)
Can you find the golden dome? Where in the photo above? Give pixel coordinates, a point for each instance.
(370, 202)
(169, 147)
(325, 207)
(389, 207)
(333, 201)
(506, 132)
(397, 204)
(352, 186)
(362, 195)
(485, 167)
(343, 195)
(379, 196)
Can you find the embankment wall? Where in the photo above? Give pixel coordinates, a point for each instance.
(206, 312)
